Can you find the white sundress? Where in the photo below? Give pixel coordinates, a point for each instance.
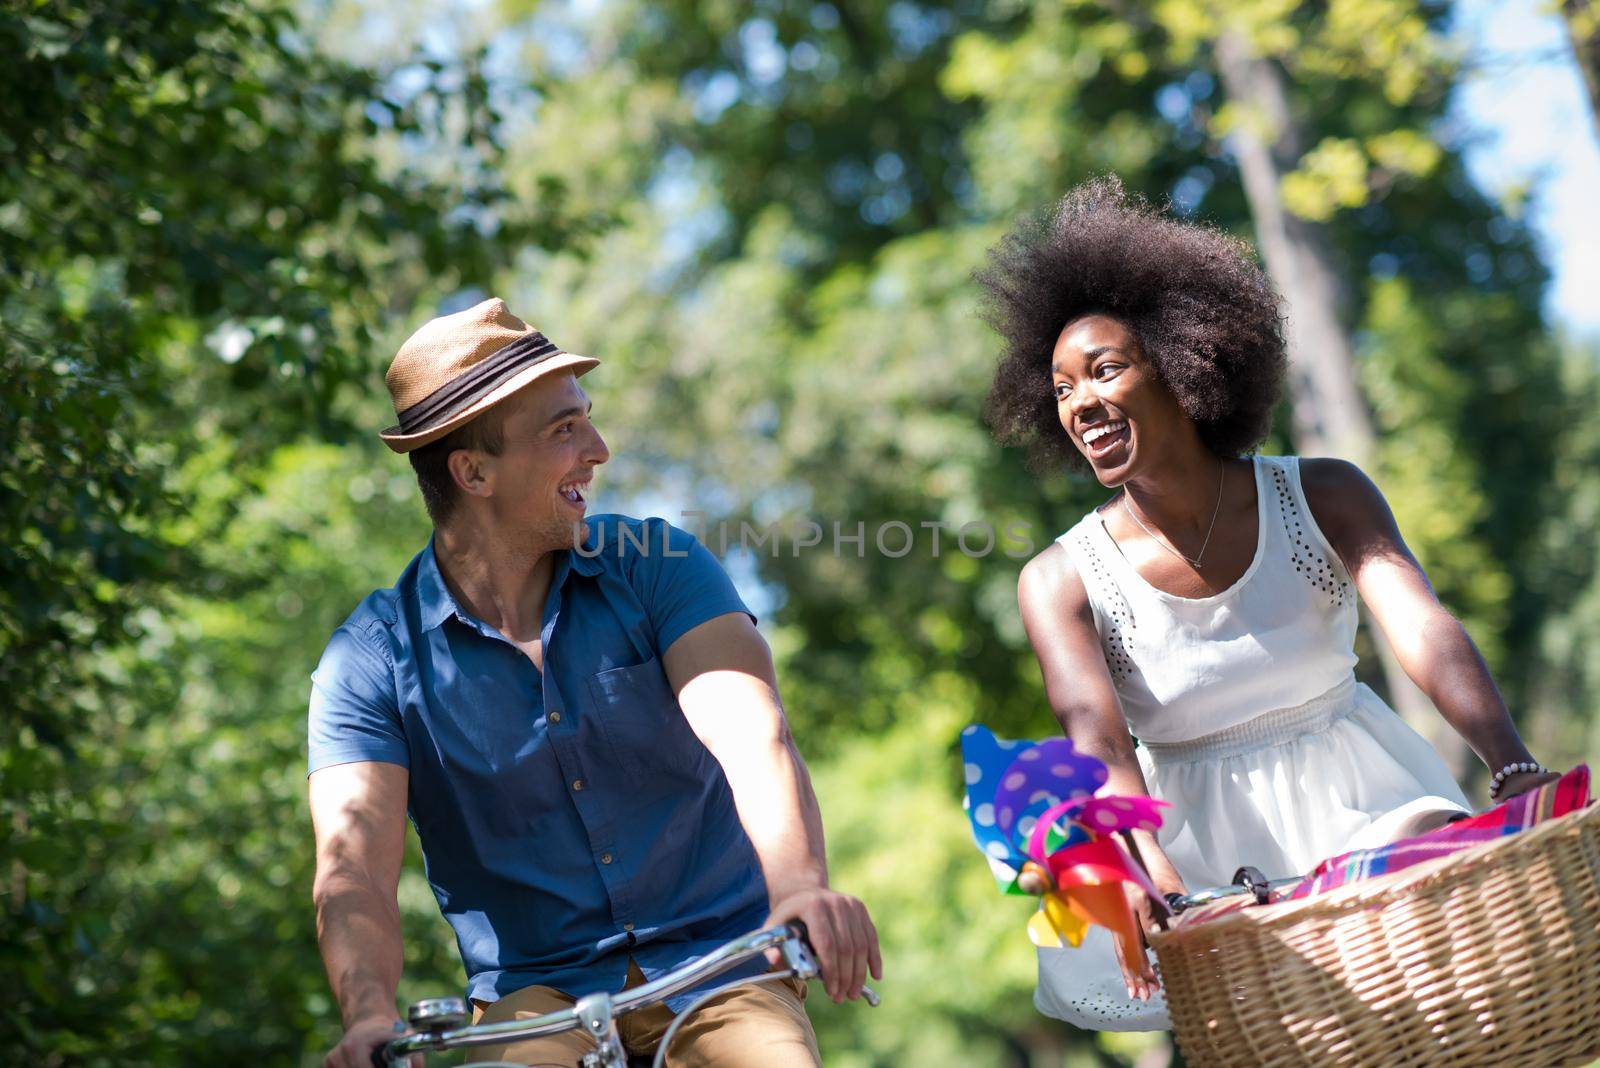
(1251, 724)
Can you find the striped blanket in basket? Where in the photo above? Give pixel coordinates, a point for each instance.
(1526, 810)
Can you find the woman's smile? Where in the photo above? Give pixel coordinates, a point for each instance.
(1100, 440)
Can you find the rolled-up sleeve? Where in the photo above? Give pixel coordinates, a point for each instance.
(681, 584)
(354, 713)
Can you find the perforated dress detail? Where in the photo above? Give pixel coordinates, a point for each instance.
(1312, 564)
(1118, 616)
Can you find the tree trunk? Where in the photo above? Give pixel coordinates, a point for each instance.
(1583, 26)
(1329, 414)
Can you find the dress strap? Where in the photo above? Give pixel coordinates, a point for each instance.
(1112, 610)
(1094, 568)
(1309, 552)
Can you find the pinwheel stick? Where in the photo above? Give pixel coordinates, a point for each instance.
(1162, 912)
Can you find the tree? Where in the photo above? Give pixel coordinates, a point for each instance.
(1352, 136)
(810, 376)
(200, 247)
(763, 218)
(1582, 18)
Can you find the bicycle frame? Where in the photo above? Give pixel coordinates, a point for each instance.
(440, 1022)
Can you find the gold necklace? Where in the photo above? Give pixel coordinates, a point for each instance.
(1159, 540)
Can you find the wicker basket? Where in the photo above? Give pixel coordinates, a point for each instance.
(1490, 956)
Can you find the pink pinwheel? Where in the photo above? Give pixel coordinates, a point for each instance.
(1105, 815)
(1059, 836)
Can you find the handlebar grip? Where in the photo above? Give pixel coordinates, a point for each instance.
(1253, 881)
(380, 1056)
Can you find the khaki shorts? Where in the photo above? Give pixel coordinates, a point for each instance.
(751, 1027)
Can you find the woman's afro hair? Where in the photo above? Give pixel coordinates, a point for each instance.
(1204, 314)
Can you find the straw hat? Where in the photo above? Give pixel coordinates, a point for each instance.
(457, 366)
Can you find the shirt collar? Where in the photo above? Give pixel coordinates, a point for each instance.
(586, 561)
(434, 599)
(438, 604)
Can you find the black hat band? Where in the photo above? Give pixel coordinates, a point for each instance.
(476, 382)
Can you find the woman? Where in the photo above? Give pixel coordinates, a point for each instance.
(1209, 606)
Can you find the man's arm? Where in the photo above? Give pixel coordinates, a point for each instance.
(358, 812)
(723, 675)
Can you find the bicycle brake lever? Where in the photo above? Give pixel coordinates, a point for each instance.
(802, 961)
(797, 953)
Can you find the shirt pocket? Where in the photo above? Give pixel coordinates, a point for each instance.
(641, 720)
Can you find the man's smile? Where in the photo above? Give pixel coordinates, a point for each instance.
(573, 492)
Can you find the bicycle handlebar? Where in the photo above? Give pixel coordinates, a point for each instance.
(440, 1020)
(1246, 880)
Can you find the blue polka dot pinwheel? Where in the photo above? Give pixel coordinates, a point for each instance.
(1045, 829)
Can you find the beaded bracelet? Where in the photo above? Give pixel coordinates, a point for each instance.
(1516, 767)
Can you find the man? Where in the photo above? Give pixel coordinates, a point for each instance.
(583, 724)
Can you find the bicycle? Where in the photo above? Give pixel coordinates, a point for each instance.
(1246, 880)
(441, 1023)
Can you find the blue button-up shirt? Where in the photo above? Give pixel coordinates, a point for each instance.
(569, 819)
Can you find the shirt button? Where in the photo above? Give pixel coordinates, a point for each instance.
(555, 717)
(605, 858)
(627, 927)
(577, 784)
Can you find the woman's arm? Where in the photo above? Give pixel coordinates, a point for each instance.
(1431, 644)
(1060, 625)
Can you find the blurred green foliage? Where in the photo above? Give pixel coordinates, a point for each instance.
(201, 244)
(218, 219)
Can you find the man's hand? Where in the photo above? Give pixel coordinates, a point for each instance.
(362, 1038)
(841, 933)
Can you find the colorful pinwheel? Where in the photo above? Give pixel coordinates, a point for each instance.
(1037, 818)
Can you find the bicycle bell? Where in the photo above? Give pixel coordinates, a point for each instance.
(434, 1015)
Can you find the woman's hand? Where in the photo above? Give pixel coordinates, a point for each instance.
(1140, 975)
